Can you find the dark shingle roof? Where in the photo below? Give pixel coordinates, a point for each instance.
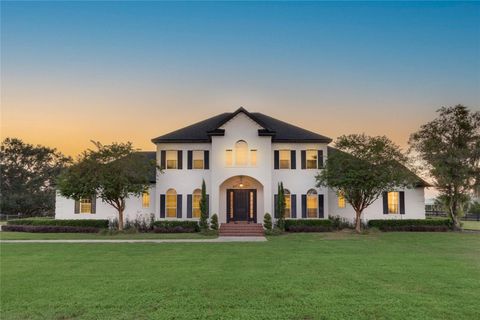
(279, 130)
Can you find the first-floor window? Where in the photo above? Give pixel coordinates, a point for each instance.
(341, 201)
(393, 202)
(85, 205)
(196, 197)
(198, 161)
(312, 204)
(171, 203)
(146, 199)
(288, 204)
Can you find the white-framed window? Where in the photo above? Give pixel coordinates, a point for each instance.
(196, 197)
(85, 205)
(171, 205)
(253, 157)
(284, 162)
(146, 199)
(312, 204)
(341, 201)
(198, 159)
(229, 157)
(394, 202)
(241, 153)
(312, 159)
(288, 204)
(172, 159)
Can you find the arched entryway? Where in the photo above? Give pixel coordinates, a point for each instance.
(241, 199)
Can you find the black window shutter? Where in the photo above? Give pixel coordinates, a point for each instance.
(303, 154)
(276, 159)
(189, 159)
(304, 205)
(293, 159)
(77, 207)
(163, 159)
(402, 202)
(320, 206)
(180, 160)
(208, 205)
(179, 205)
(320, 159)
(189, 205)
(385, 202)
(293, 202)
(94, 203)
(162, 206)
(275, 206)
(206, 159)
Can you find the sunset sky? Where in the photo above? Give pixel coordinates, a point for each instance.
(125, 71)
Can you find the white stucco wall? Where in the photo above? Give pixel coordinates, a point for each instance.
(65, 208)
(414, 207)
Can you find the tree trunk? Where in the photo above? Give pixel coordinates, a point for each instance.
(454, 215)
(120, 220)
(358, 222)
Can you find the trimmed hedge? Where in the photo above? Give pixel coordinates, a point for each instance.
(313, 225)
(49, 229)
(90, 223)
(176, 226)
(431, 225)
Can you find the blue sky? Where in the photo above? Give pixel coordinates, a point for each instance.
(75, 71)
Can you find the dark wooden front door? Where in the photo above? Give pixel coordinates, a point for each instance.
(241, 205)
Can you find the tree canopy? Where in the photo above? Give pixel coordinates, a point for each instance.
(111, 172)
(448, 148)
(28, 176)
(361, 168)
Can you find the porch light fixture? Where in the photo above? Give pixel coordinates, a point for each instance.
(241, 182)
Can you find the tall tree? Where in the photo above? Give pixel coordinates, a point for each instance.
(362, 168)
(28, 175)
(281, 206)
(204, 208)
(449, 150)
(111, 172)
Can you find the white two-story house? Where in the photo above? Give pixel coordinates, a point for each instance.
(242, 157)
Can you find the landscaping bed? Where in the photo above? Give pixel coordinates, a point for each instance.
(417, 225)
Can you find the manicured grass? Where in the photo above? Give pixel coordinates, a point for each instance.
(299, 276)
(471, 225)
(5, 235)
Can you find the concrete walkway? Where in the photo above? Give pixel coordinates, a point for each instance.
(216, 240)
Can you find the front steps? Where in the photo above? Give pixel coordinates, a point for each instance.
(241, 229)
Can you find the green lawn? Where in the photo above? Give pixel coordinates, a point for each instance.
(471, 225)
(298, 276)
(5, 235)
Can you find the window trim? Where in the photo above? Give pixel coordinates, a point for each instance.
(315, 152)
(202, 156)
(85, 202)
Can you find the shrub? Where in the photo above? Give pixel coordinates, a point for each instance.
(214, 222)
(49, 229)
(100, 223)
(316, 225)
(340, 223)
(412, 225)
(176, 226)
(267, 221)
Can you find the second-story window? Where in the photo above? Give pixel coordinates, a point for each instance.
(312, 160)
(284, 162)
(198, 161)
(172, 159)
(253, 158)
(229, 157)
(241, 153)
